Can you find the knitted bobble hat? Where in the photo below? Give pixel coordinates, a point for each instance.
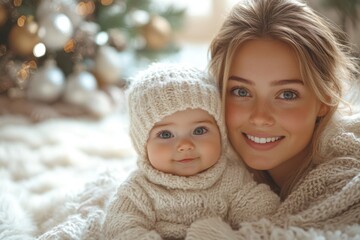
(164, 89)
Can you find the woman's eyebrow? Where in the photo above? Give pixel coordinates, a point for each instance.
(287, 81)
(240, 79)
(273, 83)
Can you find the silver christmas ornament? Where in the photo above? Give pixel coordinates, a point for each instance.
(99, 104)
(79, 86)
(67, 7)
(47, 83)
(55, 30)
(108, 65)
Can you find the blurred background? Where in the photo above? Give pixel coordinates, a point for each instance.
(64, 66)
(75, 57)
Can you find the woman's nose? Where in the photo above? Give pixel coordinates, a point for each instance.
(185, 145)
(262, 114)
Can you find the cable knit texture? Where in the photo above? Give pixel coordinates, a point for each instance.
(165, 88)
(155, 205)
(324, 205)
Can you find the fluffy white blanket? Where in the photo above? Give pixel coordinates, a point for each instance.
(57, 176)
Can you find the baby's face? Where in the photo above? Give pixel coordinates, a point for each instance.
(184, 143)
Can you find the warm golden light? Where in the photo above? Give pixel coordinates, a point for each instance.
(17, 3)
(39, 50)
(31, 64)
(21, 21)
(85, 8)
(70, 46)
(32, 27)
(106, 2)
(3, 15)
(23, 73)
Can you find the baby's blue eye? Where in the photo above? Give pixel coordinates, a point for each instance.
(200, 131)
(165, 134)
(240, 92)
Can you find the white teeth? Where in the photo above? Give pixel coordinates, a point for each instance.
(262, 140)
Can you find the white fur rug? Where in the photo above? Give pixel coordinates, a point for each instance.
(56, 176)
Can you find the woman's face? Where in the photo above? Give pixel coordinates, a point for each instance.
(270, 113)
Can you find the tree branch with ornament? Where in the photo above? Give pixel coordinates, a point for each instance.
(74, 57)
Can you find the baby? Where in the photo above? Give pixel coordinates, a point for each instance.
(184, 168)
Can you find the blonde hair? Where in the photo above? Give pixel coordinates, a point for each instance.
(325, 61)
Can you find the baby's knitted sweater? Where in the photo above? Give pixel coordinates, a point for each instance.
(324, 205)
(155, 205)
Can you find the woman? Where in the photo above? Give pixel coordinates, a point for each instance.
(282, 71)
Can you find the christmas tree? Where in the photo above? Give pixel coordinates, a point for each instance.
(78, 51)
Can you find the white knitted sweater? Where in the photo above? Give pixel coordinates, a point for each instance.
(324, 205)
(156, 205)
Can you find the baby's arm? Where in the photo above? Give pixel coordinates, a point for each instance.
(130, 216)
(252, 202)
(249, 200)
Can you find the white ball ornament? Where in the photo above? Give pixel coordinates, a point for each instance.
(99, 104)
(67, 7)
(107, 65)
(55, 30)
(79, 86)
(47, 83)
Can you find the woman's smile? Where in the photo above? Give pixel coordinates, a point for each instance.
(262, 140)
(262, 143)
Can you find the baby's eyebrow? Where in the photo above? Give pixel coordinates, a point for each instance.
(208, 121)
(166, 124)
(162, 124)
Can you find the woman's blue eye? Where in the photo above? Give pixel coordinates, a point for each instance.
(165, 134)
(288, 95)
(241, 92)
(200, 131)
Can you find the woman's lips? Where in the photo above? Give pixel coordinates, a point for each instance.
(262, 143)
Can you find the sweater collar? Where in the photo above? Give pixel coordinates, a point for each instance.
(201, 180)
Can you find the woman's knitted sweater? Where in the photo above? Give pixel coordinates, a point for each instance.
(155, 205)
(324, 205)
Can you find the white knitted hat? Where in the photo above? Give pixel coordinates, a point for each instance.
(164, 89)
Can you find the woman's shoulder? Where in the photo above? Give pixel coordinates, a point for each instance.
(337, 171)
(328, 178)
(328, 196)
(337, 164)
(334, 170)
(341, 137)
